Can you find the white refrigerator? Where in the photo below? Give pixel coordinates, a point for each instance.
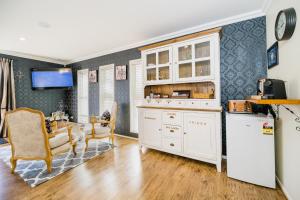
(250, 148)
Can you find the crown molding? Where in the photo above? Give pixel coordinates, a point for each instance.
(33, 57)
(210, 25)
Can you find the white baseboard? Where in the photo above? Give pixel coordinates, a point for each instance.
(128, 137)
(224, 157)
(285, 192)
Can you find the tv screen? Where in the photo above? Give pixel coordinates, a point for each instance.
(51, 78)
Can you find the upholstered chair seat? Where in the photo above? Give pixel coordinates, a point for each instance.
(30, 140)
(61, 139)
(98, 131)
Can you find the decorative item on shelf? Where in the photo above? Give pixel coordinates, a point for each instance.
(151, 95)
(204, 95)
(156, 96)
(121, 72)
(239, 106)
(181, 94)
(272, 54)
(165, 96)
(93, 76)
(285, 24)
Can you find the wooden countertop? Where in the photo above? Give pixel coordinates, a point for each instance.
(181, 108)
(276, 101)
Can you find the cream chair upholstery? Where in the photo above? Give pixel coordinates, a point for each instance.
(100, 132)
(29, 138)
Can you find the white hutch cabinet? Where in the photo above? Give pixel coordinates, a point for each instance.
(189, 127)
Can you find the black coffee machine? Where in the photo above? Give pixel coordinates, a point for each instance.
(271, 89)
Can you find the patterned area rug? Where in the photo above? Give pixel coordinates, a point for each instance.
(35, 172)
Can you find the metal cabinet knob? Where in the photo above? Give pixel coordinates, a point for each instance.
(172, 131)
(172, 145)
(172, 117)
(184, 133)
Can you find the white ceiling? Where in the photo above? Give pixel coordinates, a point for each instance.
(72, 30)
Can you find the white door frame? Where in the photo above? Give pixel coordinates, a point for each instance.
(102, 68)
(132, 89)
(78, 99)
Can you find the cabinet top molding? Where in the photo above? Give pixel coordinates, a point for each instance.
(181, 38)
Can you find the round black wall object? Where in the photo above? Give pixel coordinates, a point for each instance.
(285, 24)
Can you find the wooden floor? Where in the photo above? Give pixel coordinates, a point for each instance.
(127, 173)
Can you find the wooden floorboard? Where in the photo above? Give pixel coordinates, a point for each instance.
(127, 173)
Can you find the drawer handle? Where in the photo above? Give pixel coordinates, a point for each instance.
(172, 117)
(172, 131)
(184, 133)
(172, 145)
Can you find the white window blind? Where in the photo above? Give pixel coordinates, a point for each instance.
(136, 92)
(83, 95)
(106, 83)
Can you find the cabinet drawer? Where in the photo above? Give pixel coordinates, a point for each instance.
(172, 131)
(172, 144)
(172, 118)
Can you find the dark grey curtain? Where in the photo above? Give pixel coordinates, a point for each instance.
(7, 91)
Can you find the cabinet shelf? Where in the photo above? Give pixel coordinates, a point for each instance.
(276, 101)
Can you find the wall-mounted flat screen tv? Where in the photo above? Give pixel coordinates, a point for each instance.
(51, 78)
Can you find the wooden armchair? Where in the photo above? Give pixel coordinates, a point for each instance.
(100, 132)
(30, 140)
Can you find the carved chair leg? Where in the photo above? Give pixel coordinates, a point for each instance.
(13, 165)
(49, 164)
(74, 149)
(86, 144)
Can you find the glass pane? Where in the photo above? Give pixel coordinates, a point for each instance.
(151, 74)
(185, 70)
(151, 59)
(202, 50)
(163, 57)
(185, 53)
(163, 73)
(203, 68)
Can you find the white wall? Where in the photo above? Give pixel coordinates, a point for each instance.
(287, 138)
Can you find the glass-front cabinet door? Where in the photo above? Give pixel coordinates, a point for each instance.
(158, 66)
(192, 60)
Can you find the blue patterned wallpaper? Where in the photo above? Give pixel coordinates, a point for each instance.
(44, 100)
(243, 61)
(121, 88)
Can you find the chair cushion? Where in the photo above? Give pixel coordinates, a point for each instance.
(100, 130)
(59, 140)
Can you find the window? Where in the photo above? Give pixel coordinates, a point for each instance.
(83, 96)
(106, 86)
